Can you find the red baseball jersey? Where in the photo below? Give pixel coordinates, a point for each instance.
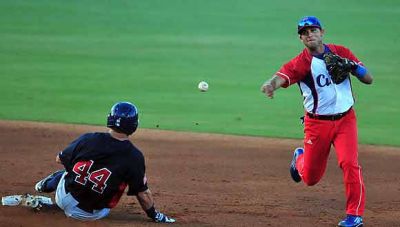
(321, 95)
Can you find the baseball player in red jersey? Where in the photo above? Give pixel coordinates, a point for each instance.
(329, 116)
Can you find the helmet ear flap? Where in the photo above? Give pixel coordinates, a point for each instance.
(127, 125)
(110, 120)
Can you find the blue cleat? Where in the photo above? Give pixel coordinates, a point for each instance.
(351, 221)
(293, 170)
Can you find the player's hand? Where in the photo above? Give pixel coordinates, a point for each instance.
(268, 89)
(162, 218)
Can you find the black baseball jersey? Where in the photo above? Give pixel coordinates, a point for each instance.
(99, 169)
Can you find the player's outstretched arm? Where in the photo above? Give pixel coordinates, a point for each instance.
(146, 201)
(271, 85)
(358, 70)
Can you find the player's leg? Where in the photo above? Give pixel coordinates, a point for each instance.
(69, 204)
(346, 146)
(49, 183)
(312, 163)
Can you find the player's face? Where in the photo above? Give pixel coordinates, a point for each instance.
(312, 37)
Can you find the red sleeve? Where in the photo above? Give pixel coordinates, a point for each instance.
(296, 69)
(344, 52)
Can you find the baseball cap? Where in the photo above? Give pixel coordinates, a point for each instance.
(308, 21)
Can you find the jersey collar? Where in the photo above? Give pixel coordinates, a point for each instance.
(321, 56)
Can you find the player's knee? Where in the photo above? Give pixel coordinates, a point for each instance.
(310, 182)
(311, 177)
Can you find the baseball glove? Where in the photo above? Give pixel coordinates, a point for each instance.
(338, 67)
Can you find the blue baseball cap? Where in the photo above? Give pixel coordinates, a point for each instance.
(308, 21)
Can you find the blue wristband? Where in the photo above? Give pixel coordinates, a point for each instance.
(360, 71)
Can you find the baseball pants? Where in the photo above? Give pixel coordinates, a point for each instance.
(70, 206)
(342, 134)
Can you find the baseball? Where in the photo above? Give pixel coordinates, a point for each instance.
(203, 86)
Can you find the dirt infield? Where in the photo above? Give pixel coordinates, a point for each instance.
(203, 180)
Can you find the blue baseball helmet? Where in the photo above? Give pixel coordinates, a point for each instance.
(308, 21)
(123, 118)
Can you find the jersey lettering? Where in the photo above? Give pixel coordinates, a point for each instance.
(82, 171)
(98, 177)
(323, 81)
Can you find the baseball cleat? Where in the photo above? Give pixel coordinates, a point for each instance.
(41, 186)
(351, 221)
(293, 170)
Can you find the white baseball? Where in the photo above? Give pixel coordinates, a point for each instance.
(203, 86)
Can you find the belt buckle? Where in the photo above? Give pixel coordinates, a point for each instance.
(338, 116)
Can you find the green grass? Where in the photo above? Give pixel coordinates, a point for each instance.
(69, 61)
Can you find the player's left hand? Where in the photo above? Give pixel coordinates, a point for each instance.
(162, 218)
(338, 67)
